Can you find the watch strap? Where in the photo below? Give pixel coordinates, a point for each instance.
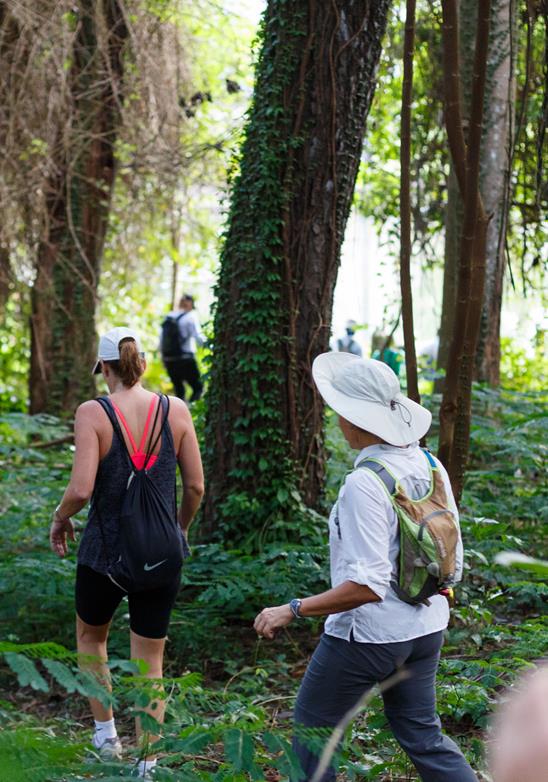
(295, 606)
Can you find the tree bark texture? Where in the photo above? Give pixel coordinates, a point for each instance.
(63, 338)
(405, 206)
(495, 179)
(455, 410)
(453, 228)
(9, 35)
(496, 154)
(315, 80)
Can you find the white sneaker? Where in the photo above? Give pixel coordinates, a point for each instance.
(147, 775)
(110, 749)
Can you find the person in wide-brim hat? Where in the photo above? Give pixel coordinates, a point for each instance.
(370, 631)
(367, 393)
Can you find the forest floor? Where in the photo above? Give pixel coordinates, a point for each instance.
(229, 695)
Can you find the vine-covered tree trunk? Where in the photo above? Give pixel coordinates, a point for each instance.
(315, 79)
(63, 339)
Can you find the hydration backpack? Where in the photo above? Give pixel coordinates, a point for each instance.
(150, 543)
(170, 340)
(428, 535)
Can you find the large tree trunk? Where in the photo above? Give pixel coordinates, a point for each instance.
(78, 200)
(495, 180)
(290, 202)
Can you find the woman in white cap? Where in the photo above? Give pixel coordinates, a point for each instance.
(370, 632)
(132, 429)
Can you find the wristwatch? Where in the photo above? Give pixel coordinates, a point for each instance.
(295, 606)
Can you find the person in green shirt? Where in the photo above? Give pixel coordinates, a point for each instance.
(388, 355)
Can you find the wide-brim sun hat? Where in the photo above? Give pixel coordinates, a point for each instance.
(367, 393)
(109, 346)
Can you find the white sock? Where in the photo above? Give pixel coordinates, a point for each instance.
(146, 765)
(104, 730)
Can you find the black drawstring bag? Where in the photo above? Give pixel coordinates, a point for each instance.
(151, 547)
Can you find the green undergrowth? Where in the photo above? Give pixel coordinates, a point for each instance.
(230, 696)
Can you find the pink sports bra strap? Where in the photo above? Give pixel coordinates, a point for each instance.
(126, 427)
(147, 423)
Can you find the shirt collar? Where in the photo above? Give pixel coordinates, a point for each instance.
(378, 449)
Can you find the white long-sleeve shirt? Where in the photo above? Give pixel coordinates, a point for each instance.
(189, 329)
(367, 549)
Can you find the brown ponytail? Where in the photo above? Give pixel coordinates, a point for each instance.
(129, 368)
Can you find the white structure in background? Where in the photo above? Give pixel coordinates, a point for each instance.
(368, 289)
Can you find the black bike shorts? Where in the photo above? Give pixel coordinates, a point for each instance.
(97, 598)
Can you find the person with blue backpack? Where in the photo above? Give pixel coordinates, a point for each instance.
(395, 548)
(127, 449)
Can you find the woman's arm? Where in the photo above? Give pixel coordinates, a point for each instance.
(344, 597)
(82, 480)
(190, 464)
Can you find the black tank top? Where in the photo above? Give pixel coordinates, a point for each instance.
(99, 545)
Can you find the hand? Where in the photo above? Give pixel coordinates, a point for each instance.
(59, 530)
(270, 620)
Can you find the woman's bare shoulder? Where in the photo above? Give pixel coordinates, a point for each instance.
(179, 409)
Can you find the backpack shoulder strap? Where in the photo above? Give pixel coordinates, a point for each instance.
(152, 445)
(382, 474)
(107, 407)
(430, 458)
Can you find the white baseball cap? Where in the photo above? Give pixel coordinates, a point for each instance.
(367, 393)
(109, 346)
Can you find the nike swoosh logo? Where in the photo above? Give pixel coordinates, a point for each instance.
(151, 567)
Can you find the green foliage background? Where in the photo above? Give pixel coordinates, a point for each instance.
(229, 695)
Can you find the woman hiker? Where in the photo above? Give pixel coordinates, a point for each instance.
(370, 632)
(101, 471)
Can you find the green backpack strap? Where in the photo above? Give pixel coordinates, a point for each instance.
(382, 473)
(390, 483)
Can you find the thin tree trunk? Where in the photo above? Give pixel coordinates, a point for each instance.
(405, 205)
(455, 409)
(290, 203)
(5, 279)
(9, 35)
(453, 229)
(78, 200)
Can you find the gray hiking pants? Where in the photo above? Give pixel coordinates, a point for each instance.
(341, 671)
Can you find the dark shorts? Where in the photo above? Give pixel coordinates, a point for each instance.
(97, 598)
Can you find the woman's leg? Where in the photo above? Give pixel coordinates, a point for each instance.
(411, 710)
(92, 650)
(151, 650)
(96, 601)
(149, 614)
(339, 673)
